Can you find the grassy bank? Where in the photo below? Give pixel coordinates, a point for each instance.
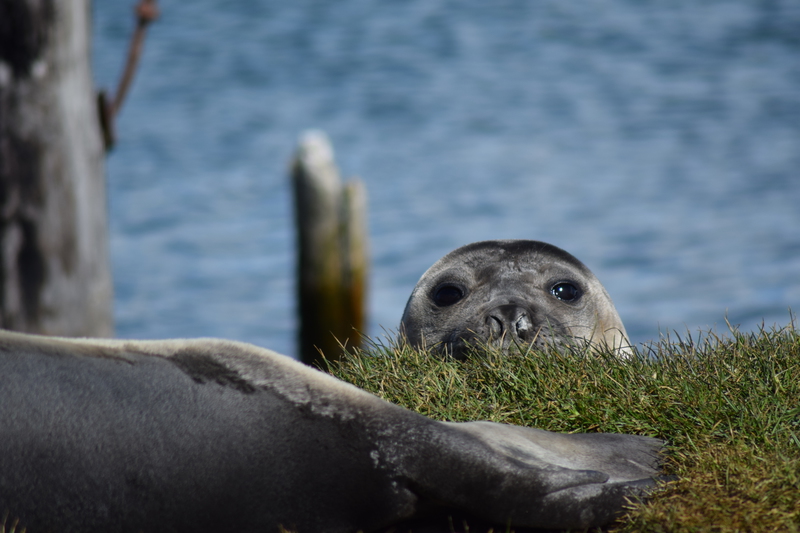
(729, 407)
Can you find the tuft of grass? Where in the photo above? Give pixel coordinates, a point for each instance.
(729, 408)
(12, 527)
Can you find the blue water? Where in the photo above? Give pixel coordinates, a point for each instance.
(657, 141)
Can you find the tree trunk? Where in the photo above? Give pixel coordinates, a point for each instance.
(54, 267)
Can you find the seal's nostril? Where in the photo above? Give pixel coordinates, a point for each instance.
(523, 326)
(495, 326)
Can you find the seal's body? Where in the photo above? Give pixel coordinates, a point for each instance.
(513, 292)
(208, 435)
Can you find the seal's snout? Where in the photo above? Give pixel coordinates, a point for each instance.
(524, 327)
(496, 328)
(509, 323)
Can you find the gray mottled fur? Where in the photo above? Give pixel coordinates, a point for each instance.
(503, 281)
(208, 435)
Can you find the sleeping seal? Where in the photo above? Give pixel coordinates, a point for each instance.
(513, 292)
(208, 435)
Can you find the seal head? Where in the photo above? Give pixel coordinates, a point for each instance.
(510, 293)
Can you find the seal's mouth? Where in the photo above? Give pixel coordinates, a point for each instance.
(460, 344)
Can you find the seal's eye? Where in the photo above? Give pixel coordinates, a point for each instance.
(566, 291)
(447, 294)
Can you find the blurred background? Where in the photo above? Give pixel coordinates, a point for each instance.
(659, 142)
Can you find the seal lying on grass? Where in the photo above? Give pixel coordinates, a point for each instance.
(208, 435)
(505, 293)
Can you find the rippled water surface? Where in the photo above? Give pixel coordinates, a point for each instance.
(657, 141)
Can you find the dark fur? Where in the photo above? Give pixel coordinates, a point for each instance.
(208, 436)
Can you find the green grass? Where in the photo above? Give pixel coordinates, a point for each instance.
(729, 407)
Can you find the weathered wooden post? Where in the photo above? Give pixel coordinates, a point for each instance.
(355, 258)
(331, 252)
(54, 265)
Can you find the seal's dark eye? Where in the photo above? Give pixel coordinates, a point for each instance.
(566, 291)
(447, 294)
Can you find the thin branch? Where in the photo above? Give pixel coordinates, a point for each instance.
(146, 12)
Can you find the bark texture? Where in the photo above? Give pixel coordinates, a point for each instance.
(54, 267)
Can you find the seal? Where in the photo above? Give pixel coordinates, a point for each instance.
(510, 293)
(209, 435)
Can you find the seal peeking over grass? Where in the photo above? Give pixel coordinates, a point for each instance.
(510, 293)
(726, 403)
(208, 435)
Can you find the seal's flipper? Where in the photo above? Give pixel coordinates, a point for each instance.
(621, 457)
(529, 477)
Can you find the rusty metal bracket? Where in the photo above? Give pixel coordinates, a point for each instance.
(146, 12)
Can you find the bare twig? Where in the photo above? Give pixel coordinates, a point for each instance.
(146, 12)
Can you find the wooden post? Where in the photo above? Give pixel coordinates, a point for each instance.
(54, 267)
(331, 282)
(355, 267)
